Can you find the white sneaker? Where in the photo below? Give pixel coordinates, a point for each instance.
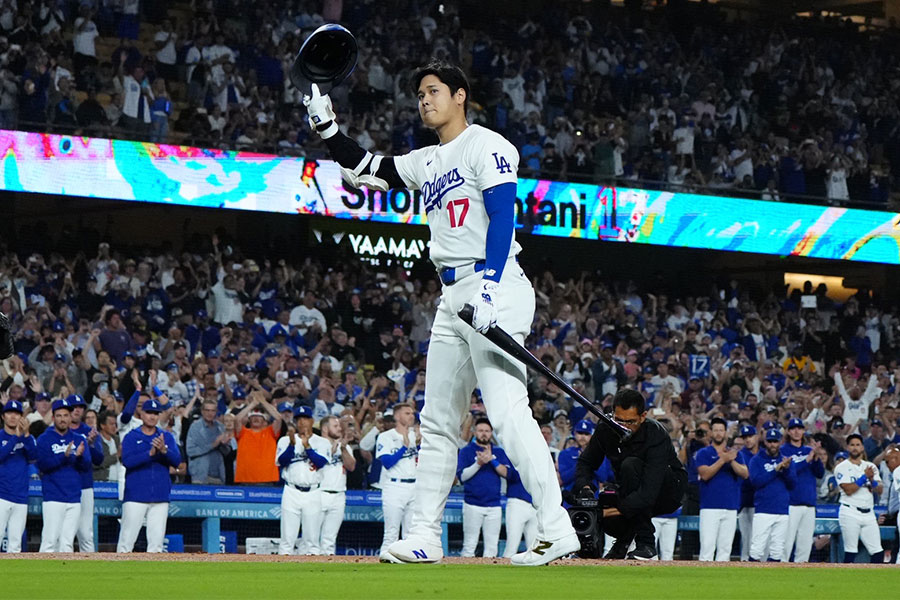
(544, 552)
(387, 557)
(416, 550)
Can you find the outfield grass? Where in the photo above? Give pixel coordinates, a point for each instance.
(97, 580)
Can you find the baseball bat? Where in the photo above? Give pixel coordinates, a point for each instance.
(509, 345)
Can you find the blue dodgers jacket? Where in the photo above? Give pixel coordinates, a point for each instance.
(96, 449)
(805, 490)
(15, 452)
(61, 474)
(147, 477)
(772, 495)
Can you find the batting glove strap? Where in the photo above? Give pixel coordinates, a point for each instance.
(485, 315)
(321, 114)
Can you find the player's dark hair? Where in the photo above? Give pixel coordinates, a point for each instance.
(718, 420)
(485, 421)
(853, 436)
(628, 399)
(452, 75)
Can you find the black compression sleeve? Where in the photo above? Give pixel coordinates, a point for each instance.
(348, 153)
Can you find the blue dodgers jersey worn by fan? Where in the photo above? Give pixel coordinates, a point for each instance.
(806, 473)
(483, 488)
(15, 452)
(771, 487)
(96, 451)
(61, 474)
(723, 490)
(147, 476)
(746, 485)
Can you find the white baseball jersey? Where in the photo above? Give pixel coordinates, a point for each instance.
(301, 471)
(388, 443)
(847, 472)
(334, 477)
(856, 410)
(452, 177)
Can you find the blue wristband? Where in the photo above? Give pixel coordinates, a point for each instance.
(495, 463)
(861, 482)
(157, 392)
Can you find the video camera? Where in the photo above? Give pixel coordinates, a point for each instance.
(586, 514)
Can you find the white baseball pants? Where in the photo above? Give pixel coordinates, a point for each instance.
(458, 357)
(476, 518)
(397, 507)
(85, 533)
(769, 534)
(12, 522)
(801, 527)
(745, 526)
(666, 533)
(520, 518)
(856, 527)
(60, 525)
(300, 509)
(717, 527)
(133, 515)
(332, 517)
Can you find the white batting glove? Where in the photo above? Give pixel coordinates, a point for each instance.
(485, 315)
(320, 112)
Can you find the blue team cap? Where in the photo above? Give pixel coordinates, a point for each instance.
(238, 393)
(294, 374)
(584, 426)
(152, 406)
(773, 435)
(245, 369)
(13, 406)
(128, 354)
(201, 314)
(118, 396)
(743, 405)
(58, 326)
(795, 422)
(60, 358)
(60, 404)
(43, 396)
(277, 330)
(23, 357)
(286, 407)
(841, 454)
(350, 369)
(876, 422)
(76, 400)
(214, 353)
(607, 346)
(770, 425)
(656, 349)
(171, 367)
(748, 430)
(271, 353)
(648, 369)
(303, 411)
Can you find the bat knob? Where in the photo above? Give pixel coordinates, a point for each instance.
(467, 314)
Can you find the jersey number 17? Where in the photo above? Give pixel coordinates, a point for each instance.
(458, 209)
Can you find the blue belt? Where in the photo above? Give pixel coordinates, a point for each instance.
(448, 274)
(862, 510)
(403, 480)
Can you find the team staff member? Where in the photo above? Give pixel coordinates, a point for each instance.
(17, 448)
(301, 454)
(480, 467)
(808, 466)
(745, 515)
(468, 189)
(772, 478)
(858, 480)
(651, 478)
(85, 534)
(521, 517)
(721, 475)
(147, 453)
(568, 458)
(62, 457)
(398, 451)
(334, 481)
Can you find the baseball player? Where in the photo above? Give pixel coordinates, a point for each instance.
(772, 477)
(665, 530)
(858, 480)
(17, 447)
(745, 515)
(85, 534)
(62, 457)
(721, 474)
(334, 482)
(568, 458)
(301, 454)
(398, 450)
(147, 454)
(468, 189)
(521, 517)
(480, 468)
(808, 466)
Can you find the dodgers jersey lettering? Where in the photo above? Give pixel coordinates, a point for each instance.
(847, 472)
(452, 177)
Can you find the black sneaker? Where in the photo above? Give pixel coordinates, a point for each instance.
(618, 550)
(643, 552)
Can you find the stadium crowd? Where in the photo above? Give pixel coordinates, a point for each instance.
(801, 108)
(229, 345)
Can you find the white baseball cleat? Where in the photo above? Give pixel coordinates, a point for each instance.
(416, 550)
(387, 557)
(544, 552)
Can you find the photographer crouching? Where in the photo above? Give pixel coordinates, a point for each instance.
(651, 480)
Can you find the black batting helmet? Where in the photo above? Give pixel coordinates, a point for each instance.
(327, 58)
